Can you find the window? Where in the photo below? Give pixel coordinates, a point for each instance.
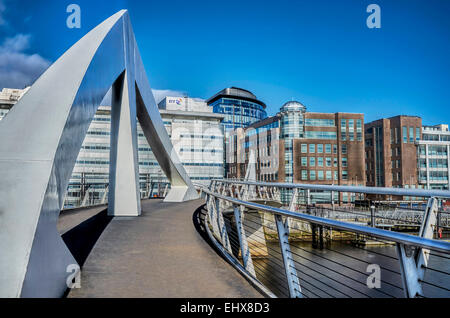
(320, 134)
(351, 129)
(320, 148)
(417, 133)
(304, 148)
(405, 134)
(320, 175)
(335, 162)
(319, 122)
(320, 162)
(344, 162)
(304, 161)
(334, 148)
(359, 130)
(344, 149)
(312, 148)
(328, 148)
(336, 175)
(328, 161)
(343, 129)
(312, 161)
(312, 175)
(344, 175)
(328, 173)
(304, 174)
(411, 134)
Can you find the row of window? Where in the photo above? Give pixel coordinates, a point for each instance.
(149, 163)
(200, 150)
(321, 161)
(322, 148)
(414, 134)
(323, 175)
(433, 163)
(433, 150)
(320, 135)
(200, 136)
(315, 122)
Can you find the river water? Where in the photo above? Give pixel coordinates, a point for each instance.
(341, 270)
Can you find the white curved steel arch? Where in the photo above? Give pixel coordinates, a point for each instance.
(41, 139)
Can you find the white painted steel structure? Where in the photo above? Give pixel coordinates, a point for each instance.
(42, 136)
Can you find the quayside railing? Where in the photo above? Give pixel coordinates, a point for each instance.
(290, 250)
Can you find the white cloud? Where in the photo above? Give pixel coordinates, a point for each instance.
(17, 68)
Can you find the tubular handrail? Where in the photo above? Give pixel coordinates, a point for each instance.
(339, 188)
(400, 238)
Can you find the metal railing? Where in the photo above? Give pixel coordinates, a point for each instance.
(292, 254)
(92, 194)
(328, 201)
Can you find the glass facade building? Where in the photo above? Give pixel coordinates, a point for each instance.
(433, 157)
(292, 122)
(240, 107)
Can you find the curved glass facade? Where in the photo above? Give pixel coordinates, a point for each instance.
(292, 126)
(240, 107)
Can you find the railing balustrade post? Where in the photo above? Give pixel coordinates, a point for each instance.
(212, 215)
(293, 203)
(372, 216)
(245, 251)
(295, 290)
(332, 200)
(307, 201)
(221, 224)
(413, 262)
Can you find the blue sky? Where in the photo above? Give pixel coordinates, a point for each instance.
(320, 53)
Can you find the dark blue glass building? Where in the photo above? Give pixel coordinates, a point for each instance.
(240, 107)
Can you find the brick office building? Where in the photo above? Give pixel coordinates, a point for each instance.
(301, 147)
(391, 151)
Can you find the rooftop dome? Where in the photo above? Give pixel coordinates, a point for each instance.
(293, 106)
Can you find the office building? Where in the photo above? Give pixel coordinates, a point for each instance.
(197, 135)
(434, 157)
(8, 98)
(391, 151)
(301, 147)
(240, 107)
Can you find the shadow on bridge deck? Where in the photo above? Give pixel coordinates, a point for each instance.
(159, 254)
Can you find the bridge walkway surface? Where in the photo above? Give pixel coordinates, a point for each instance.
(159, 254)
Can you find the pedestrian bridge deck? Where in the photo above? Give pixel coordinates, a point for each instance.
(159, 254)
